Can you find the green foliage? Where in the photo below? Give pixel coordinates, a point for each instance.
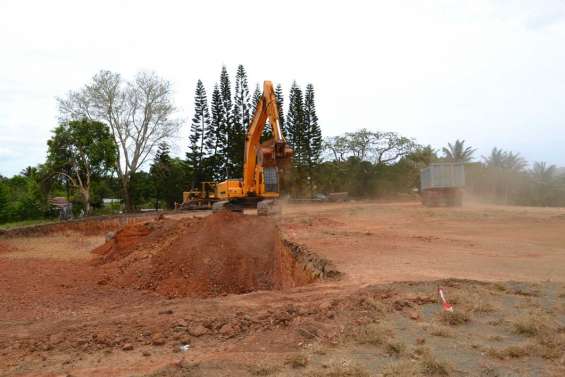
(458, 152)
(201, 137)
(169, 178)
(80, 151)
(241, 112)
(142, 190)
(4, 202)
(20, 199)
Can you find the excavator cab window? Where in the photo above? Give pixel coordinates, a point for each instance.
(271, 179)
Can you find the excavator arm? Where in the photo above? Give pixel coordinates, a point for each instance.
(271, 154)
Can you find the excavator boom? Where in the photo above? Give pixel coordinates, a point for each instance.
(272, 155)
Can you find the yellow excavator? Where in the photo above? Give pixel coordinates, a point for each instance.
(264, 164)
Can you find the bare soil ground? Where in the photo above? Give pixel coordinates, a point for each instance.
(503, 269)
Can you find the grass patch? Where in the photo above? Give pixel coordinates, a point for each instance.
(297, 361)
(525, 292)
(495, 338)
(181, 369)
(510, 352)
(550, 346)
(454, 318)
(533, 324)
(25, 223)
(374, 334)
(341, 371)
(393, 348)
(402, 369)
(441, 331)
(263, 370)
(374, 305)
(434, 367)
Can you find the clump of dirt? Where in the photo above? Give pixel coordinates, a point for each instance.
(224, 253)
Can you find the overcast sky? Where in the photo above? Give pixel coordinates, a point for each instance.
(489, 72)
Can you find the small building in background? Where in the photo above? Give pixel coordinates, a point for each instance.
(63, 206)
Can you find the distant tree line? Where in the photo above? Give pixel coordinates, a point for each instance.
(113, 141)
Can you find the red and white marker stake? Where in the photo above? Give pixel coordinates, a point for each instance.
(446, 305)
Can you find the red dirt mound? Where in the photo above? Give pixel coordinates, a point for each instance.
(221, 254)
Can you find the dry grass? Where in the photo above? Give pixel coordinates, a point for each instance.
(340, 371)
(550, 346)
(298, 361)
(434, 367)
(510, 352)
(372, 304)
(263, 370)
(533, 324)
(374, 334)
(402, 369)
(393, 348)
(525, 292)
(181, 369)
(441, 331)
(455, 318)
(495, 338)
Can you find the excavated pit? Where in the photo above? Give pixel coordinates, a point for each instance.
(224, 253)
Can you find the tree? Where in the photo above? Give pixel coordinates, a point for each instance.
(240, 122)
(139, 113)
(457, 152)
(161, 171)
(4, 202)
(225, 119)
(501, 159)
(544, 184)
(378, 147)
(169, 177)
(200, 146)
(280, 103)
(255, 99)
(215, 134)
(294, 125)
(79, 151)
(313, 134)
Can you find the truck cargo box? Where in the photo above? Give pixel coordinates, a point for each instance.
(442, 175)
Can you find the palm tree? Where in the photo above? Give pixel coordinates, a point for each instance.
(542, 173)
(505, 160)
(457, 152)
(544, 183)
(503, 169)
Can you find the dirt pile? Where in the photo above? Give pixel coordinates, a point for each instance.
(225, 253)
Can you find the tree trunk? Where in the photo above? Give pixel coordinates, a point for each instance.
(85, 193)
(127, 195)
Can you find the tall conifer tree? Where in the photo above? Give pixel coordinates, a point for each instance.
(226, 123)
(280, 102)
(255, 100)
(313, 134)
(215, 133)
(240, 122)
(294, 124)
(199, 145)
